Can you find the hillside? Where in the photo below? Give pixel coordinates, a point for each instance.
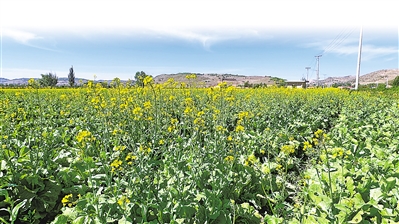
(207, 80)
(379, 76)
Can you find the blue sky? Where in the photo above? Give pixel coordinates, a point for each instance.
(117, 38)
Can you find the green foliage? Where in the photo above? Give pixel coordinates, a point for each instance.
(395, 82)
(71, 77)
(116, 82)
(48, 80)
(217, 155)
(139, 77)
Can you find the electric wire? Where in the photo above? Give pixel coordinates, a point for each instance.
(338, 43)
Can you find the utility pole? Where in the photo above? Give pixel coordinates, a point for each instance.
(318, 68)
(307, 76)
(387, 81)
(307, 73)
(359, 58)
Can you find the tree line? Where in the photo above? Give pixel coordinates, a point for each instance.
(51, 80)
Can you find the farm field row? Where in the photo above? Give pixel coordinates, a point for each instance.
(213, 155)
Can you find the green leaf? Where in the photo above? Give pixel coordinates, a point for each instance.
(376, 194)
(357, 218)
(79, 220)
(124, 221)
(15, 210)
(3, 220)
(200, 196)
(349, 185)
(390, 183)
(61, 219)
(179, 221)
(3, 165)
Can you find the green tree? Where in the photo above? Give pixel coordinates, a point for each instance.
(116, 82)
(139, 77)
(48, 80)
(395, 82)
(71, 77)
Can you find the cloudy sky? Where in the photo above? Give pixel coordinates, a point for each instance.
(117, 38)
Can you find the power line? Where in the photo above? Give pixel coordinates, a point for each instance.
(338, 43)
(333, 42)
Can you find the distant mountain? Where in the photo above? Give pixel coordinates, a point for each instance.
(380, 76)
(20, 81)
(213, 79)
(24, 81)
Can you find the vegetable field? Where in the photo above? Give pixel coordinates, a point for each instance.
(161, 154)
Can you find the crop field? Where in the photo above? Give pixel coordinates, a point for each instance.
(160, 154)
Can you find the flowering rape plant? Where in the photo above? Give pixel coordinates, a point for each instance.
(172, 153)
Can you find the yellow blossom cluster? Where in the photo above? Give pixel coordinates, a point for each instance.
(85, 136)
(288, 149)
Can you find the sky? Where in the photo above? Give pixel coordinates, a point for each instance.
(105, 39)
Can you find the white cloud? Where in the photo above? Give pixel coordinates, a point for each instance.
(345, 45)
(29, 39)
(207, 38)
(20, 36)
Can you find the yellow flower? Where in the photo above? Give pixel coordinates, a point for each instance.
(129, 158)
(90, 84)
(222, 84)
(306, 145)
(188, 101)
(121, 148)
(220, 128)
(123, 200)
(250, 160)
(137, 111)
(173, 121)
(243, 115)
(148, 80)
(84, 136)
(116, 164)
(115, 132)
(229, 158)
(188, 110)
(288, 149)
(239, 128)
(147, 105)
(315, 141)
(123, 106)
(318, 133)
(66, 200)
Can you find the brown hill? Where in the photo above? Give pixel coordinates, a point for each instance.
(207, 80)
(380, 76)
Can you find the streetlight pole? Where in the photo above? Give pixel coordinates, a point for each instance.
(359, 58)
(307, 75)
(318, 68)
